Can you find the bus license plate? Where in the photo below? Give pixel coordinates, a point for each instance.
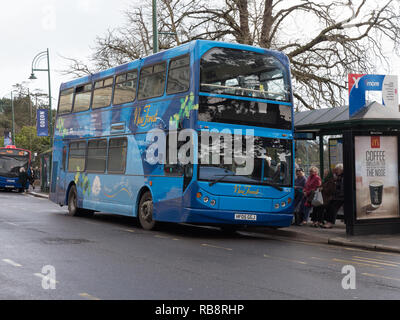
(10, 187)
(244, 216)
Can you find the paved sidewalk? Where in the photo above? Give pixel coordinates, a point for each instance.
(337, 236)
(37, 193)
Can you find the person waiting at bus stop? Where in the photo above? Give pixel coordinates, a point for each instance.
(299, 184)
(23, 178)
(338, 197)
(31, 177)
(327, 189)
(312, 184)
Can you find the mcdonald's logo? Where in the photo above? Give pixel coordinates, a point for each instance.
(375, 142)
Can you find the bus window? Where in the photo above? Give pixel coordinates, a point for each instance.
(97, 154)
(125, 88)
(152, 81)
(82, 97)
(65, 103)
(102, 93)
(178, 75)
(77, 156)
(117, 155)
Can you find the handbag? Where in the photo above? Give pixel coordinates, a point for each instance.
(317, 201)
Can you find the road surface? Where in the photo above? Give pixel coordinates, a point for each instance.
(110, 257)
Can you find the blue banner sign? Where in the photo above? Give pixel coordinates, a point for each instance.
(42, 122)
(359, 84)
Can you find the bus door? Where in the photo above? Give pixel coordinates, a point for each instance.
(61, 177)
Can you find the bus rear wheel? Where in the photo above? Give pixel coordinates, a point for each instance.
(145, 212)
(73, 209)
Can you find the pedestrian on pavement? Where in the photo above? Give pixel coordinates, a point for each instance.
(23, 176)
(338, 197)
(312, 184)
(327, 189)
(299, 184)
(31, 177)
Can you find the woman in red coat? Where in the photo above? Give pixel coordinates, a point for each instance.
(312, 184)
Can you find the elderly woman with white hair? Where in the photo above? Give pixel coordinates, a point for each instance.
(338, 197)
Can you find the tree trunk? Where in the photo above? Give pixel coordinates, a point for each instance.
(244, 23)
(266, 28)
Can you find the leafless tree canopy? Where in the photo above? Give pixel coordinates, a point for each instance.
(324, 40)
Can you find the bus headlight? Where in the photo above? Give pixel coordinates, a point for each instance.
(276, 205)
(283, 204)
(212, 202)
(205, 199)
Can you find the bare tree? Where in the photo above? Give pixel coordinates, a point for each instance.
(324, 40)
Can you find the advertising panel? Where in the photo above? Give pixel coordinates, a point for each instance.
(377, 186)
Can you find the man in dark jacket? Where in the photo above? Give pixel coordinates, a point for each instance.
(299, 184)
(338, 197)
(23, 178)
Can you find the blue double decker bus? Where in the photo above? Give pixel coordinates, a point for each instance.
(201, 133)
(12, 159)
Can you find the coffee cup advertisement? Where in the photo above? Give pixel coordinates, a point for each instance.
(377, 187)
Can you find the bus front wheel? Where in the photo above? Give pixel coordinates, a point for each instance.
(146, 212)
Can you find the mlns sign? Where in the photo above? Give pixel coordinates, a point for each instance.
(360, 83)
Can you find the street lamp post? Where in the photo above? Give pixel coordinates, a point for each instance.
(13, 119)
(155, 28)
(35, 63)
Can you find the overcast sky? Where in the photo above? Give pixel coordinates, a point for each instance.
(68, 28)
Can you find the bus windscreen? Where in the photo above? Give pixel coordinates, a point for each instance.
(244, 73)
(10, 164)
(272, 161)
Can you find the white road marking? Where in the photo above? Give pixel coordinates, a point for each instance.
(218, 247)
(13, 263)
(285, 259)
(11, 223)
(88, 296)
(128, 230)
(161, 237)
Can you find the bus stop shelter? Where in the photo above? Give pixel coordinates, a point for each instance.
(370, 142)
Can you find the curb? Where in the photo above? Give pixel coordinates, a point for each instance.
(39, 195)
(367, 246)
(301, 236)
